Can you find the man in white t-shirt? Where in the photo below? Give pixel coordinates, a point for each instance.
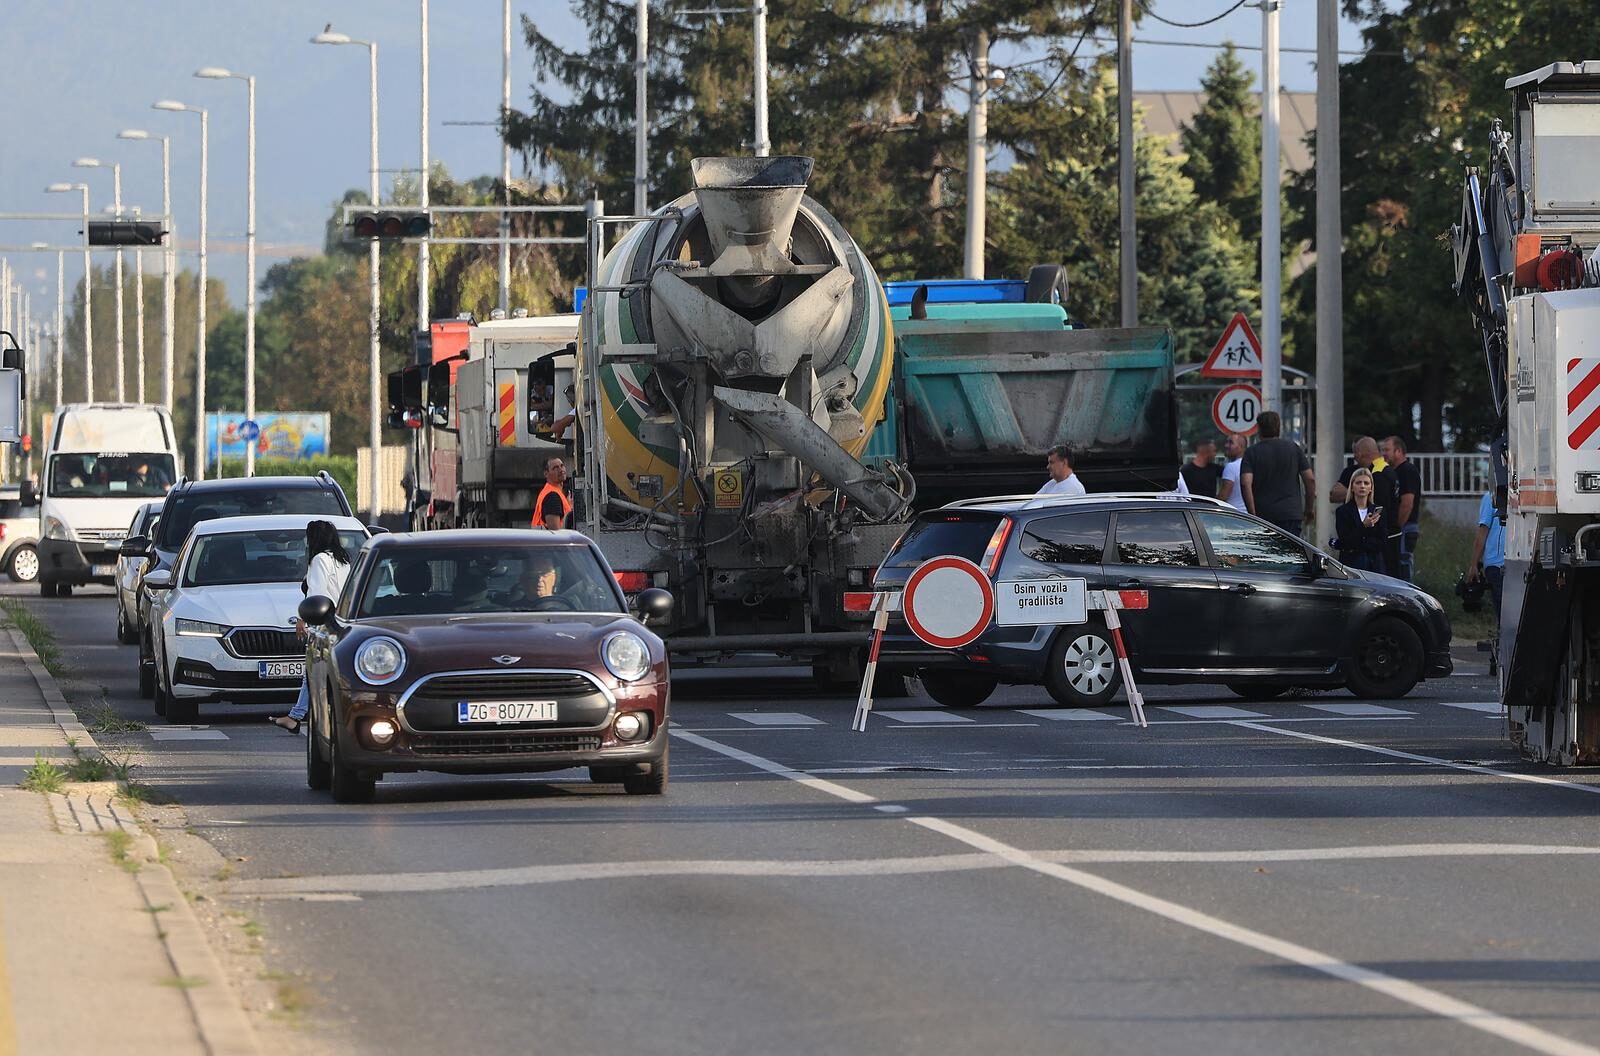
(1063, 481)
(1228, 490)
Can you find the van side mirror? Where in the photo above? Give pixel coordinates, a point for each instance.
(653, 606)
(134, 546)
(316, 610)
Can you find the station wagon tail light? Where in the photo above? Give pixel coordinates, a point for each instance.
(996, 547)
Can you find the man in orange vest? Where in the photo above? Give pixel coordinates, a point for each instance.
(552, 509)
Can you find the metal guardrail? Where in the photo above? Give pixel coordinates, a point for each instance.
(1452, 475)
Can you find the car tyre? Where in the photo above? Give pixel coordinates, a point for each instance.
(157, 695)
(1082, 671)
(147, 679)
(348, 784)
(24, 564)
(63, 590)
(125, 634)
(1388, 660)
(1258, 690)
(652, 784)
(179, 711)
(317, 775)
(958, 689)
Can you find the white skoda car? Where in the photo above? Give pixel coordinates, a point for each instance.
(226, 613)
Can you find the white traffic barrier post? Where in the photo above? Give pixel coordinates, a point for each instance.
(880, 623)
(1109, 601)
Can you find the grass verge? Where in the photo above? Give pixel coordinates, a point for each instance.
(38, 633)
(1443, 550)
(102, 720)
(43, 776)
(121, 844)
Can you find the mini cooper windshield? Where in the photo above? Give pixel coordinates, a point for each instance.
(277, 556)
(457, 580)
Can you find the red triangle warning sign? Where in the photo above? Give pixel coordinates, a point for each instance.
(1237, 354)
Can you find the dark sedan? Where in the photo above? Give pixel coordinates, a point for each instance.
(470, 652)
(1231, 600)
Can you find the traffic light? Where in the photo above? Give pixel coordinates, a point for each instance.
(125, 233)
(392, 223)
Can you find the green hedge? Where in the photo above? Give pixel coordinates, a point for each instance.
(341, 467)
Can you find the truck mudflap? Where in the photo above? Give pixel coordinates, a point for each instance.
(1551, 685)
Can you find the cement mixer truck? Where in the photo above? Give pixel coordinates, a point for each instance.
(757, 415)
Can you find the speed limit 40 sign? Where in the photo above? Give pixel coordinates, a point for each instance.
(1235, 409)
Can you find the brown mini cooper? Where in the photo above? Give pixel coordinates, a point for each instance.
(473, 652)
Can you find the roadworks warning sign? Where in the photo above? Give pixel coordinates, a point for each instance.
(1032, 602)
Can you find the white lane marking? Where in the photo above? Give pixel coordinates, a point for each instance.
(1277, 718)
(925, 716)
(849, 795)
(1488, 707)
(891, 808)
(1358, 708)
(345, 888)
(1429, 1000)
(1472, 768)
(774, 718)
(1210, 711)
(945, 725)
(180, 734)
(1469, 674)
(1071, 715)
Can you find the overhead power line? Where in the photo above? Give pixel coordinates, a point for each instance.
(1190, 25)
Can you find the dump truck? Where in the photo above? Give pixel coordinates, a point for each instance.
(1527, 264)
(758, 415)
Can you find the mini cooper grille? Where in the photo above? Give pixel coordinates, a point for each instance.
(505, 744)
(263, 643)
(509, 686)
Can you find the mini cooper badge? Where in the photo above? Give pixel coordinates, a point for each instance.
(505, 659)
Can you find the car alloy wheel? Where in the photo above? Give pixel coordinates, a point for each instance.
(1082, 671)
(24, 565)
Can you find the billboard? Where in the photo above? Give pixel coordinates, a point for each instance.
(284, 434)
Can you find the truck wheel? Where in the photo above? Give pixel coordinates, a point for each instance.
(1047, 284)
(1387, 661)
(24, 566)
(1083, 671)
(958, 689)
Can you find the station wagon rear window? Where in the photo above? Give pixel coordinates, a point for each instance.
(1071, 539)
(942, 533)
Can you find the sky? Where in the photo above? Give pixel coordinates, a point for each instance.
(79, 71)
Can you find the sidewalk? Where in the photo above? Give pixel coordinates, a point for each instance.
(96, 955)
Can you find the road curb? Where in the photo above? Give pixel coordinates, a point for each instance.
(220, 1018)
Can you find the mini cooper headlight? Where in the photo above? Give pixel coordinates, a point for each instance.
(379, 661)
(626, 656)
(200, 629)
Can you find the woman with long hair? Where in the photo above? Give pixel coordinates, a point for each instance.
(327, 569)
(1362, 526)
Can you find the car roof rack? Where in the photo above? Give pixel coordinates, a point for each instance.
(1037, 502)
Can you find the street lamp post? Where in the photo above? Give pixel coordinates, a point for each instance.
(88, 286)
(374, 359)
(216, 73)
(200, 340)
(138, 314)
(982, 79)
(60, 336)
(505, 157)
(169, 255)
(116, 204)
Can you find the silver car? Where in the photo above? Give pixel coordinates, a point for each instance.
(130, 570)
(19, 535)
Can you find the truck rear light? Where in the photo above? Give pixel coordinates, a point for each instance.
(858, 601)
(632, 582)
(996, 547)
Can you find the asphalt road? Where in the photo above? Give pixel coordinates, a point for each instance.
(1311, 875)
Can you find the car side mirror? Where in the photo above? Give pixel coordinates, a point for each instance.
(1319, 564)
(653, 605)
(159, 580)
(136, 546)
(316, 610)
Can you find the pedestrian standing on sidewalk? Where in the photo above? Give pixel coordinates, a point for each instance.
(1229, 490)
(1408, 496)
(1489, 552)
(327, 570)
(553, 508)
(1201, 474)
(1359, 524)
(1272, 476)
(1063, 481)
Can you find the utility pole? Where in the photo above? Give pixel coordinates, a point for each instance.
(977, 155)
(1330, 277)
(423, 277)
(763, 139)
(641, 128)
(116, 203)
(505, 157)
(1128, 228)
(1271, 222)
(138, 315)
(61, 333)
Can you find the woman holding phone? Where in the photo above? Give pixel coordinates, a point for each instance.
(1362, 526)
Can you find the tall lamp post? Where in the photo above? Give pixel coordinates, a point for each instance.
(116, 205)
(88, 286)
(200, 339)
(216, 73)
(168, 257)
(374, 359)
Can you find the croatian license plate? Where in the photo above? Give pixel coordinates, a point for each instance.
(102, 570)
(468, 711)
(281, 669)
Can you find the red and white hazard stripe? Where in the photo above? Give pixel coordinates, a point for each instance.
(1583, 404)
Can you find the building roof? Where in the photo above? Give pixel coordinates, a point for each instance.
(1167, 113)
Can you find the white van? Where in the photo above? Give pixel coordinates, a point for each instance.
(104, 461)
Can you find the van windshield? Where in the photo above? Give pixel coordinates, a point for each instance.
(110, 475)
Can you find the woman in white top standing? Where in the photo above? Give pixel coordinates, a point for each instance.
(327, 569)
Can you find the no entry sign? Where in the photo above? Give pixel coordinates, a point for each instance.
(948, 602)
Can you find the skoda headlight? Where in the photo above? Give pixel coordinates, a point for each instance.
(626, 656)
(379, 661)
(201, 629)
(56, 528)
